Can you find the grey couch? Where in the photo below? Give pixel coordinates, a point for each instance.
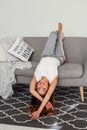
(72, 73)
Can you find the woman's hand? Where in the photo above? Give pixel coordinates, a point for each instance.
(35, 115)
(63, 59)
(49, 106)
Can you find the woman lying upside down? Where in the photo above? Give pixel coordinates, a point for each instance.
(45, 77)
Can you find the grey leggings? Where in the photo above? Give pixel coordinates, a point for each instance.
(52, 47)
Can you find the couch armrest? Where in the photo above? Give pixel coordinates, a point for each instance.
(84, 77)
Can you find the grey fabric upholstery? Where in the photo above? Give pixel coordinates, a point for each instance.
(28, 72)
(72, 73)
(38, 44)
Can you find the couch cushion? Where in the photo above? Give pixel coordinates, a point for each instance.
(27, 72)
(70, 70)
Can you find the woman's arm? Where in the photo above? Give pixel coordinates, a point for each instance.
(52, 87)
(32, 89)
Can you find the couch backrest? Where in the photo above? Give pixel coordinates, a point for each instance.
(38, 44)
(75, 48)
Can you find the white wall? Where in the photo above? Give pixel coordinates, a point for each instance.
(40, 17)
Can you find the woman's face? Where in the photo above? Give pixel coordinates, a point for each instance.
(42, 86)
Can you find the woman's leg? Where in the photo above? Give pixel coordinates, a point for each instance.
(50, 45)
(58, 50)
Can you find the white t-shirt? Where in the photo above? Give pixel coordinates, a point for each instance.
(48, 67)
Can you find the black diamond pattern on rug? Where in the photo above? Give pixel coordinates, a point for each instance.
(70, 112)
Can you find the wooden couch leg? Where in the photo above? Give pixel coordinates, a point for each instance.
(81, 93)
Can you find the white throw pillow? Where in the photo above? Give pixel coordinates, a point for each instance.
(2, 54)
(21, 50)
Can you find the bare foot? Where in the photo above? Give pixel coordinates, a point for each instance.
(60, 26)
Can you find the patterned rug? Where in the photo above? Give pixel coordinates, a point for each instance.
(71, 113)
